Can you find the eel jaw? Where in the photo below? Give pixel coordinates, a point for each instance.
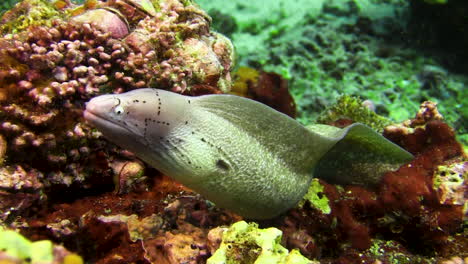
(108, 127)
(96, 113)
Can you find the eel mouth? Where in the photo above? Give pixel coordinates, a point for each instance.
(90, 116)
(97, 113)
(96, 110)
(114, 131)
(100, 113)
(101, 122)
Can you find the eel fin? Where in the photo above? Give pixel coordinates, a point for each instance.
(360, 156)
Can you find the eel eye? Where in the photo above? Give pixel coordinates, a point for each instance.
(118, 110)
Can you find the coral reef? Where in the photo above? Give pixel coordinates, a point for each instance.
(403, 219)
(165, 224)
(61, 182)
(405, 206)
(56, 57)
(160, 221)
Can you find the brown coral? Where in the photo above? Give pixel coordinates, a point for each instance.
(266, 87)
(406, 207)
(187, 245)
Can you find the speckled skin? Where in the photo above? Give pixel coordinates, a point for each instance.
(238, 153)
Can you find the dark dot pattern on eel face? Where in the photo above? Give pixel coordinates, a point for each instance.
(154, 121)
(159, 105)
(173, 144)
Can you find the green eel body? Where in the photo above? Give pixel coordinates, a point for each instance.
(238, 153)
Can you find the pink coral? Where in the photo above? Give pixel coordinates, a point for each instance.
(47, 73)
(105, 20)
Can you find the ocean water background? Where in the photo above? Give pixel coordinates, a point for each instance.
(366, 48)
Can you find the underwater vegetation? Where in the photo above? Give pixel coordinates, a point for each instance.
(6, 5)
(65, 188)
(395, 53)
(241, 237)
(18, 249)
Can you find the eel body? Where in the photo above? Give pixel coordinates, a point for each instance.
(238, 153)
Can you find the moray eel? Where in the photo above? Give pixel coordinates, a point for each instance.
(240, 154)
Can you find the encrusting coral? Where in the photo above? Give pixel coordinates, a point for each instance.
(246, 243)
(409, 204)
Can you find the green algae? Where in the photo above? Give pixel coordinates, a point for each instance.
(392, 252)
(452, 174)
(344, 47)
(20, 249)
(316, 197)
(6, 5)
(17, 246)
(246, 243)
(350, 107)
(28, 13)
(438, 2)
